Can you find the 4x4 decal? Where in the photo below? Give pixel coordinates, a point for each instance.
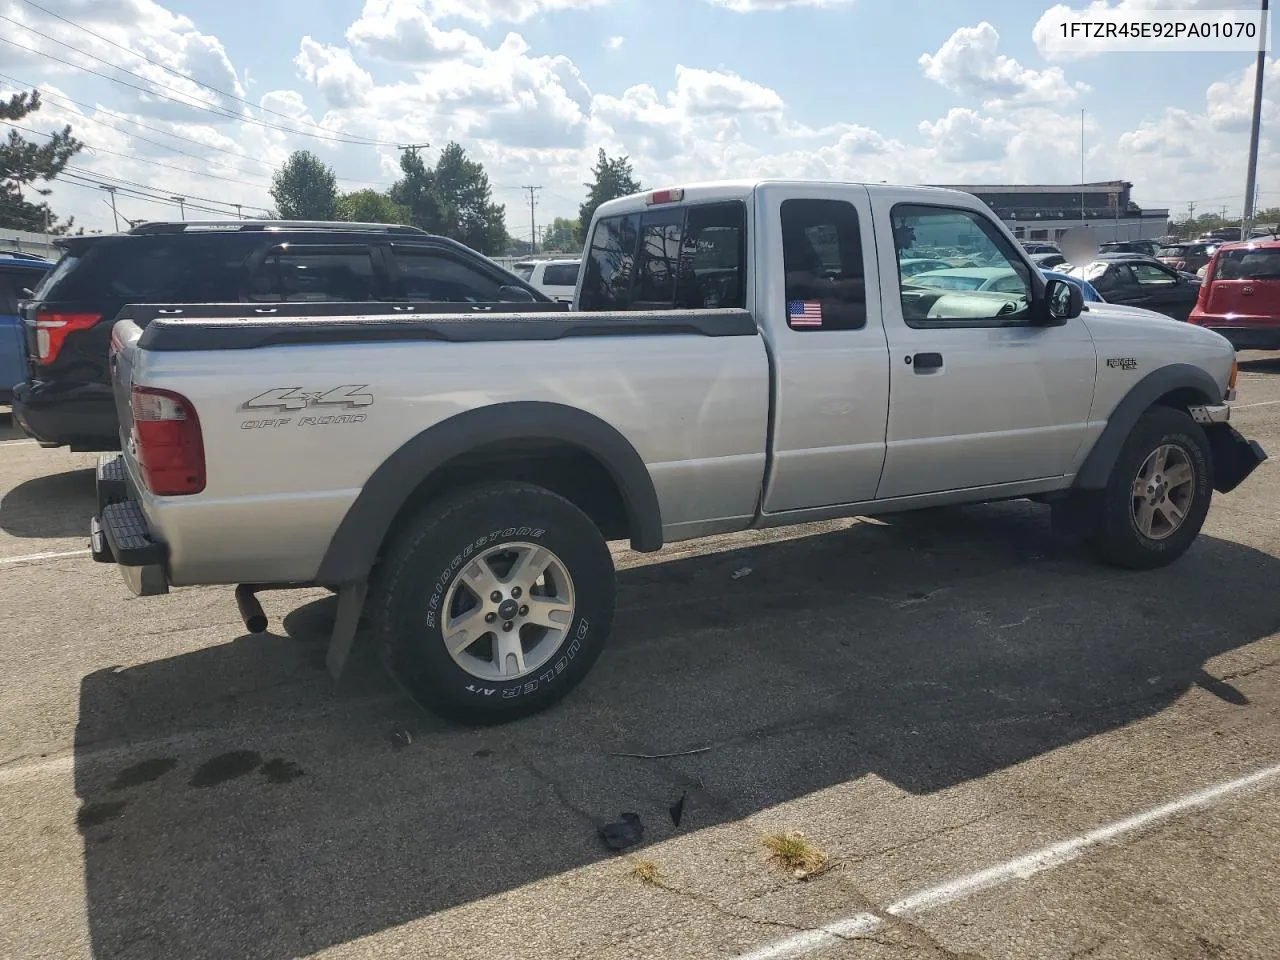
(295, 398)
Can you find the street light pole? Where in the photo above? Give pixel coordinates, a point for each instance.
(1251, 180)
(114, 216)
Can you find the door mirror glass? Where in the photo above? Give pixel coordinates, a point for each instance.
(1065, 301)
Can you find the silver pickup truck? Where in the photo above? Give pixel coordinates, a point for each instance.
(742, 355)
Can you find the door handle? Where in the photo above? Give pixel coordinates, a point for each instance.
(925, 362)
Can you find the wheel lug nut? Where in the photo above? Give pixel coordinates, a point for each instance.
(524, 610)
(496, 597)
(508, 625)
(515, 593)
(490, 617)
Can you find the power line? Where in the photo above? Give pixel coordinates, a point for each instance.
(44, 94)
(133, 157)
(207, 108)
(86, 174)
(178, 73)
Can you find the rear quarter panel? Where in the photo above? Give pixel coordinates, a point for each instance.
(280, 481)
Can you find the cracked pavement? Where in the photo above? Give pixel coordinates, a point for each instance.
(922, 696)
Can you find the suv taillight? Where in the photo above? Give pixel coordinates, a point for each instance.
(170, 448)
(53, 328)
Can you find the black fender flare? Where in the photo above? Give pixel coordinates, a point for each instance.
(1097, 466)
(355, 544)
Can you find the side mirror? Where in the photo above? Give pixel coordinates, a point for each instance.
(1063, 302)
(513, 294)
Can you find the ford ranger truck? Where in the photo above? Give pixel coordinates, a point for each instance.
(743, 355)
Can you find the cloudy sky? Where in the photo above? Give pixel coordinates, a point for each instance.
(204, 99)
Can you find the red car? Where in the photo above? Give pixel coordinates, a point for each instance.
(1240, 296)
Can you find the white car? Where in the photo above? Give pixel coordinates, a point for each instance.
(556, 278)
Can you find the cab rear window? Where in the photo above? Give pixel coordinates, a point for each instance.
(688, 257)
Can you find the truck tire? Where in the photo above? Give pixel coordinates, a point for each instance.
(1158, 493)
(494, 602)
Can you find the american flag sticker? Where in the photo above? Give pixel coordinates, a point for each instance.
(804, 313)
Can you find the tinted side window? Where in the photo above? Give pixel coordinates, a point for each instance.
(713, 257)
(560, 275)
(822, 257)
(610, 264)
(1152, 276)
(1002, 292)
(302, 276)
(426, 275)
(159, 269)
(1249, 265)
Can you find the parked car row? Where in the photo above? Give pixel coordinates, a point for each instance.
(66, 398)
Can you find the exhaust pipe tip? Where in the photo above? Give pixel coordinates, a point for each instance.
(251, 612)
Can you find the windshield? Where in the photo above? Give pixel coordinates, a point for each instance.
(1172, 252)
(64, 266)
(523, 270)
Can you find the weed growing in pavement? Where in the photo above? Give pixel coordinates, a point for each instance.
(794, 851)
(646, 871)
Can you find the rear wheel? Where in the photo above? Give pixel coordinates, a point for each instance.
(1158, 494)
(495, 602)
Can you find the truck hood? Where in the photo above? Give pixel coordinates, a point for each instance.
(1155, 340)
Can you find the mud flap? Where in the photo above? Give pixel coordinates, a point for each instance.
(351, 597)
(1234, 456)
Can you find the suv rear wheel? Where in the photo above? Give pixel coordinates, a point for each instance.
(495, 602)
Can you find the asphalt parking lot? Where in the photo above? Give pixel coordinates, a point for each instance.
(1006, 752)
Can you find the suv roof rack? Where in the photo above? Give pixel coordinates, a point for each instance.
(247, 226)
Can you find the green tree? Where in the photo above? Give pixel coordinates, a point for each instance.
(414, 192)
(465, 203)
(612, 178)
(370, 206)
(24, 164)
(563, 236)
(305, 188)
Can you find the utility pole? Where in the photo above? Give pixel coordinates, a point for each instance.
(412, 148)
(1082, 166)
(114, 216)
(1191, 219)
(239, 215)
(1251, 179)
(533, 224)
(182, 206)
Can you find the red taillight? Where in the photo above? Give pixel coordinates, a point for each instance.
(170, 448)
(52, 330)
(673, 195)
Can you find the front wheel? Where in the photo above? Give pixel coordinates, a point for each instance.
(496, 602)
(1158, 494)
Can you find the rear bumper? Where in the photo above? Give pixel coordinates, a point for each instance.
(79, 415)
(119, 533)
(1246, 338)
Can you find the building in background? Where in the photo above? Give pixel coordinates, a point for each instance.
(1047, 211)
(20, 241)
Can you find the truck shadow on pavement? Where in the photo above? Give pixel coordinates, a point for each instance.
(56, 505)
(232, 806)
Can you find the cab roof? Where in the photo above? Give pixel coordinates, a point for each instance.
(712, 190)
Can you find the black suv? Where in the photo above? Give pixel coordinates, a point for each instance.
(67, 400)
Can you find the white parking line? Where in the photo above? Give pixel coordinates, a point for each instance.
(1020, 868)
(35, 557)
(1260, 403)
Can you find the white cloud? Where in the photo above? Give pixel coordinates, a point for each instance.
(964, 135)
(338, 78)
(967, 62)
(401, 31)
(614, 43)
(503, 11)
(719, 93)
(1230, 102)
(755, 6)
